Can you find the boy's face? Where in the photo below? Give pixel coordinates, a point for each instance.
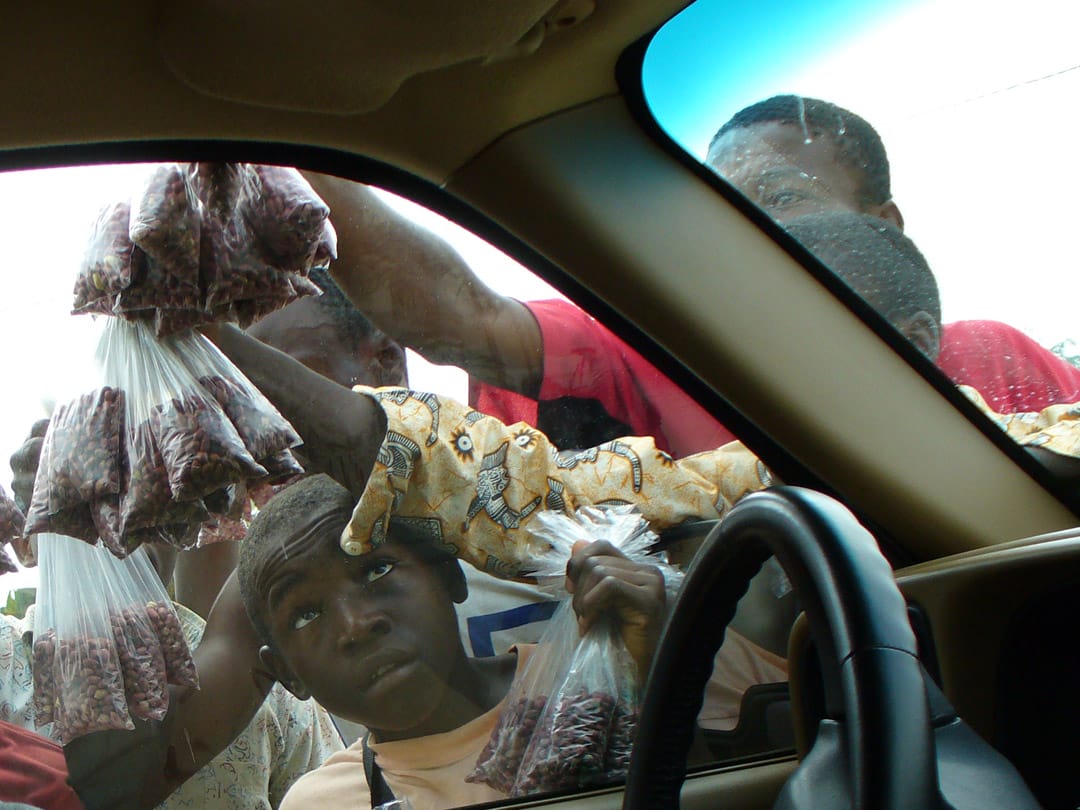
(775, 166)
(372, 638)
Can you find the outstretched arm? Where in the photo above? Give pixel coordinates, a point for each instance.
(420, 292)
(140, 768)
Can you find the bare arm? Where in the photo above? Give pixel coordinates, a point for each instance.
(420, 292)
(201, 572)
(232, 686)
(140, 768)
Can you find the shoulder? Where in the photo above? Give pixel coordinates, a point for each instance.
(562, 319)
(338, 782)
(297, 719)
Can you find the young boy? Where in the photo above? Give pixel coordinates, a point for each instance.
(373, 638)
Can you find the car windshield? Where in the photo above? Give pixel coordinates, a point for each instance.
(856, 124)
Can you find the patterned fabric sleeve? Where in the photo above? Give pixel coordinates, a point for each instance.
(16, 676)
(473, 483)
(307, 740)
(1056, 428)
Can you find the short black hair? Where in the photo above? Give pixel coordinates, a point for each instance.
(874, 258)
(858, 145)
(352, 325)
(274, 523)
(320, 494)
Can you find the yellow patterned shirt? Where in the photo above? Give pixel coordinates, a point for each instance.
(473, 483)
(1056, 428)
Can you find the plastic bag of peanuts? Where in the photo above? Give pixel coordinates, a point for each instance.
(178, 443)
(570, 719)
(107, 640)
(203, 242)
(174, 434)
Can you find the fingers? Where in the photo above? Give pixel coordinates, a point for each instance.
(603, 580)
(605, 583)
(632, 592)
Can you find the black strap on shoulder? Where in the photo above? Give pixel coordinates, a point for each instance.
(380, 791)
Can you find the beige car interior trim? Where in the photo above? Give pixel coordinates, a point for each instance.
(325, 66)
(106, 62)
(590, 191)
(971, 600)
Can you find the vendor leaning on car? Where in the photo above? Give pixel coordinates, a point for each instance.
(794, 155)
(791, 155)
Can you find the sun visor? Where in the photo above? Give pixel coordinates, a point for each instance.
(334, 56)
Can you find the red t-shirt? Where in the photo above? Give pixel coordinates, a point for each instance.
(1013, 373)
(33, 771)
(585, 361)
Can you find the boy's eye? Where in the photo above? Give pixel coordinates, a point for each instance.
(379, 571)
(784, 199)
(303, 617)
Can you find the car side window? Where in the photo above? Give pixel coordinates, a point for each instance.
(431, 322)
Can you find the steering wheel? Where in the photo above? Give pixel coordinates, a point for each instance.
(876, 746)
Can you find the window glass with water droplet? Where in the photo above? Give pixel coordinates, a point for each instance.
(917, 159)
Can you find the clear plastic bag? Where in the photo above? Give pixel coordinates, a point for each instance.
(286, 216)
(266, 434)
(237, 278)
(179, 443)
(107, 641)
(166, 225)
(326, 251)
(263, 247)
(172, 436)
(107, 266)
(132, 461)
(569, 719)
(204, 242)
(80, 455)
(81, 462)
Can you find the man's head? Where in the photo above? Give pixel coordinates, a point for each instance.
(882, 265)
(331, 336)
(373, 638)
(794, 155)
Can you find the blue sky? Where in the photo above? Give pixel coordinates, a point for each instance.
(719, 55)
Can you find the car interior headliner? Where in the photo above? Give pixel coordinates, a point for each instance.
(421, 85)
